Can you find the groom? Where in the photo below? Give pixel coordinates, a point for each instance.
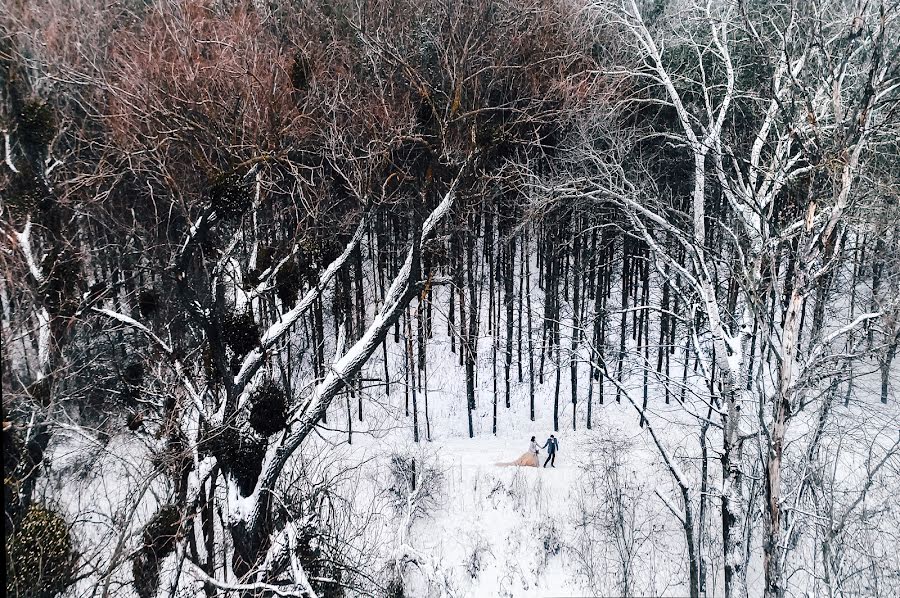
(552, 445)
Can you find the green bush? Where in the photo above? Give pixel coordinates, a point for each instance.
(40, 558)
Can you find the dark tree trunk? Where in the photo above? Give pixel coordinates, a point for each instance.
(529, 330)
(886, 369)
(489, 258)
(411, 375)
(472, 333)
(576, 326)
(509, 268)
(644, 336)
(451, 312)
(522, 257)
(547, 277)
(623, 328)
(662, 353)
(877, 268)
(320, 342)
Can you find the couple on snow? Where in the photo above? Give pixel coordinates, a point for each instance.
(530, 459)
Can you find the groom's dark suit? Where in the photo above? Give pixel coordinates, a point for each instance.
(552, 445)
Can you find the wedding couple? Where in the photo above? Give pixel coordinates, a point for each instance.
(530, 459)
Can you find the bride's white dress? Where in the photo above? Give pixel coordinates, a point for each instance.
(529, 459)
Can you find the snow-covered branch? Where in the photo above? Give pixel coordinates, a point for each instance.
(402, 289)
(254, 359)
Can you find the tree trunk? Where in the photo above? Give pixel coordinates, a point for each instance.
(509, 271)
(733, 514)
(523, 256)
(576, 326)
(410, 374)
(623, 328)
(529, 330)
(472, 334)
(772, 543)
(886, 369)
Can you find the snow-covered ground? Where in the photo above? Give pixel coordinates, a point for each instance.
(600, 523)
(495, 530)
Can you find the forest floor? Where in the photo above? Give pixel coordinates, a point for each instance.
(502, 530)
(595, 525)
(494, 530)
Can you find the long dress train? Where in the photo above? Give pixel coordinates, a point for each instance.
(529, 459)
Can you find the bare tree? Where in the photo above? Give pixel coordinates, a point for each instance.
(817, 119)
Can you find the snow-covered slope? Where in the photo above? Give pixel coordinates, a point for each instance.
(604, 521)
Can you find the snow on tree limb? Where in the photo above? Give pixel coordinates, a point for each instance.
(7, 144)
(24, 239)
(165, 347)
(128, 320)
(294, 591)
(254, 359)
(401, 291)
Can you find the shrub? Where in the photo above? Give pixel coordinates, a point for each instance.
(158, 537)
(240, 455)
(549, 534)
(174, 457)
(12, 448)
(20, 465)
(209, 365)
(145, 573)
(37, 123)
(240, 332)
(418, 477)
(268, 414)
(133, 373)
(301, 71)
(475, 562)
(244, 460)
(25, 194)
(320, 561)
(134, 421)
(265, 256)
(230, 195)
(12, 502)
(41, 391)
(213, 440)
(395, 588)
(148, 302)
(161, 531)
(61, 287)
(288, 281)
(40, 558)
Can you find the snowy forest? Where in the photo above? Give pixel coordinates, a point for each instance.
(288, 285)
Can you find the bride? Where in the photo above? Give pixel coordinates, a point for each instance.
(529, 459)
